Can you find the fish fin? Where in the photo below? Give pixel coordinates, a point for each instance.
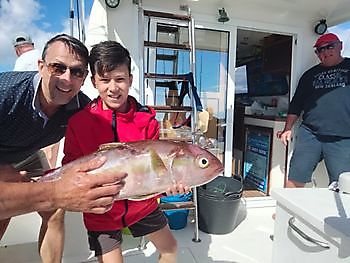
(157, 163)
(108, 146)
(143, 197)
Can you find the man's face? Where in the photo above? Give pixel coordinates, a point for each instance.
(330, 54)
(62, 73)
(113, 88)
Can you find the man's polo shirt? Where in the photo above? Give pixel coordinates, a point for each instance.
(24, 128)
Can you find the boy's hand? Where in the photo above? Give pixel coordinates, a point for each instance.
(178, 188)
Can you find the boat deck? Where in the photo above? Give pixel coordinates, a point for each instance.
(249, 242)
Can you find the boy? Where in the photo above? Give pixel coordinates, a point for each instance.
(117, 117)
(34, 112)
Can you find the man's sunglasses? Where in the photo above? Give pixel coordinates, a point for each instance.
(58, 69)
(319, 50)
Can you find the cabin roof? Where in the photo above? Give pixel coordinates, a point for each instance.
(335, 12)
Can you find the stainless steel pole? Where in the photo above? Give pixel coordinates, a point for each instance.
(82, 20)
(71, 17)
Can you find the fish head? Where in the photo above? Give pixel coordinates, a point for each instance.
(194, 166)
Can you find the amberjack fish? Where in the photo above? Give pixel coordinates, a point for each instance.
(153, 166)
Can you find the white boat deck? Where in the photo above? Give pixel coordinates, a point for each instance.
(249, 242)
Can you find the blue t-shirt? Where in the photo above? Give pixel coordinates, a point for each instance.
(23, 129)
(323, 96)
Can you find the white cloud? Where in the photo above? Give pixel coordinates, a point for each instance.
(25, 16)
(15, 17)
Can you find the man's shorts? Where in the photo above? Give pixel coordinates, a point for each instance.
(35, 165)
(103, 242)
(310, 149)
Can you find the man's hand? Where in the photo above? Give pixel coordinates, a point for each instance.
(77, 190)
(9, 174)
(285, 136)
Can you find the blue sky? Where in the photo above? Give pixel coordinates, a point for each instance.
(43, 19)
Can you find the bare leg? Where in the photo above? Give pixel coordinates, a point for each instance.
(294, 184)
(3, 225)
(51, 153)
(51, 236)
(165, 243)
(114, 256)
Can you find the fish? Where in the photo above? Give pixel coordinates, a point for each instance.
(153, 166)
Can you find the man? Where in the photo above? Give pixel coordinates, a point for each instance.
(34, 110)
(323, 96)
(27, 60)
(27, 55)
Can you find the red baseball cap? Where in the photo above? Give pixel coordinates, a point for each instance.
(325, 39)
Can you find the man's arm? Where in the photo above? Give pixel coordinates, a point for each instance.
(76, 190)
(286, 134)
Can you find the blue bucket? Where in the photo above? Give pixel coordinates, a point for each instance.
(177, 219)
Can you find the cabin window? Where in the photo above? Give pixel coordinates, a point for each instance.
(211, 74)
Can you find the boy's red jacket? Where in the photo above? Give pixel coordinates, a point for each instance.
(92, 127)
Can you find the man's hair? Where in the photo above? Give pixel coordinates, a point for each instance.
(107, 56)
(75, 46)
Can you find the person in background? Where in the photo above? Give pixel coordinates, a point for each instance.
(322, 97)
(115, 116)
(27, 55)
(34, 111)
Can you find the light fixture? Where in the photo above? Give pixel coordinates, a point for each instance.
(321, 27)
(223, 16)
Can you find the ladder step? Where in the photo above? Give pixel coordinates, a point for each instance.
(167, 15)
(167, 84)
(168, 108)
(166, 57)
(177, 205)
(167, 45)
(166, 76)
(167, 28)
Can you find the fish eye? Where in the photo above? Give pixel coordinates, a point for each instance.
(203, 162)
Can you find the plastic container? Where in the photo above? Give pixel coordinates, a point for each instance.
(126, 231)
(218, 205)
(177, 219)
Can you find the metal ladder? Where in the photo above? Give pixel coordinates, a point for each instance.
(150, 45)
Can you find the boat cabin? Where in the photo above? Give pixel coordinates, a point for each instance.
(247, 61)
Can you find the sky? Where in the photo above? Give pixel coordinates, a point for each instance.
(42, 19)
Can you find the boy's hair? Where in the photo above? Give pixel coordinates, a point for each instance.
(107, 56)
(75, 46)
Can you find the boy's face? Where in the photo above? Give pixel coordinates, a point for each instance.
(113, 88)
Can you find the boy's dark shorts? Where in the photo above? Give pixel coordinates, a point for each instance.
(103, 242)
